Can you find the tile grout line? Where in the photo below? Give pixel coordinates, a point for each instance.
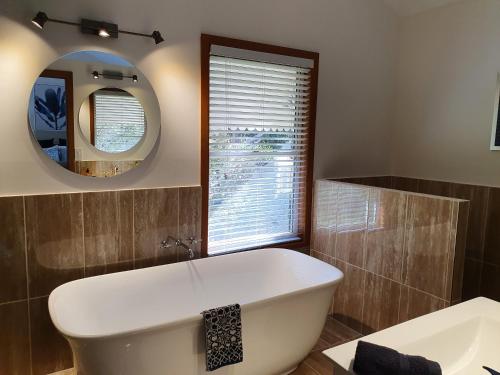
(365, 240)
(117, 198)
(39, 297)
(488, 263)
(14, 301)
(483, 238)
(83, 236)
(363, 262)
(335, 196)
(133, 229)
(27, 286)
(405, 237)
(345, 326)
(454, 212)
(310, 367)
(407, 205)
(399, 302)
(178, 221)
(334, 191)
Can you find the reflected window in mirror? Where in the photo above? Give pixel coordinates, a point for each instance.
(117, 122)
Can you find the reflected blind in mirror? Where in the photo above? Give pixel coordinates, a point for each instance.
(119, 121)
(258, 150)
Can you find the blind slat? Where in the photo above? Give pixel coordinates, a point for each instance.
(119, 121)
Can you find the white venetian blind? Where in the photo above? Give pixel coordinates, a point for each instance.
(119, 121)
(258, 144)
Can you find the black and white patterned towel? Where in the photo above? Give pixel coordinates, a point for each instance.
(223, 336)
(491, 371)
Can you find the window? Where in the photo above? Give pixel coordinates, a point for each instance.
(258, 111)
(119, 121)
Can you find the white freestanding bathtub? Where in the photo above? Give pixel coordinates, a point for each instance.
(148, 322)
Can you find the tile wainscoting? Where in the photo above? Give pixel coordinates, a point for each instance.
(402, 253)
(48, 240)
(482, 249)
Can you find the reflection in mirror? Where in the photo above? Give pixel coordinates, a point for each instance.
(48, 115)
(118, 114)
(112, 120)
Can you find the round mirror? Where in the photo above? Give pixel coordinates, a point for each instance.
(94, 113)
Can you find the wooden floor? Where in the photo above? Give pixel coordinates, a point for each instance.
(334, 334)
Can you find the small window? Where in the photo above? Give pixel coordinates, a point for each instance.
(258, 115)
(119, 121)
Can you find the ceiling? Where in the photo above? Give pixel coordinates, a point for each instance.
(410, 7)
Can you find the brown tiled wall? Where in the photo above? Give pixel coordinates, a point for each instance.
(482, 249)
(401, 253)
(47, 240)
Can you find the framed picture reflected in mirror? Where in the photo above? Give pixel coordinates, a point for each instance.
(51, 116)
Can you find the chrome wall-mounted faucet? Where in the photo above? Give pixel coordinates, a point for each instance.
(171, 241)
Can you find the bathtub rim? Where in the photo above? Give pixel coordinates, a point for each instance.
(189, 319)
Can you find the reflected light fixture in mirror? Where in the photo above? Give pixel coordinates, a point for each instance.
(118, 121)
(114, 75)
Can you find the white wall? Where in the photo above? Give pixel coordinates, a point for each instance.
(446, 85)
(356, 40)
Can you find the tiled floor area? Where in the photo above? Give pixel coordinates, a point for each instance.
(334, 334)
(316, 363)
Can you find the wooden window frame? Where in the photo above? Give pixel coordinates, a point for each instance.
(206, 43)
(92, 118)
(70, 119)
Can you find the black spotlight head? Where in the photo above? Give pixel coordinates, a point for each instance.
(157, 37)
(40, 19)
(95, 74)
(134, 78)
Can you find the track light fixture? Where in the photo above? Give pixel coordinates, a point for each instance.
(113, 75)
(40, 19)
(157, 37)
(104, 33)
(99, 28)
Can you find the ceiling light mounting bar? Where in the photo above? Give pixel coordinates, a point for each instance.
(99, 28)
(63, 22)
(133, 33)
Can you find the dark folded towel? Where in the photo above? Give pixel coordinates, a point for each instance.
(492, 372)
(372, 359)
(223, 336)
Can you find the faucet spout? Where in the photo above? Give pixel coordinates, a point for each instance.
(171, 241)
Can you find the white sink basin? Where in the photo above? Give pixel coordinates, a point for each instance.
(462, 339)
